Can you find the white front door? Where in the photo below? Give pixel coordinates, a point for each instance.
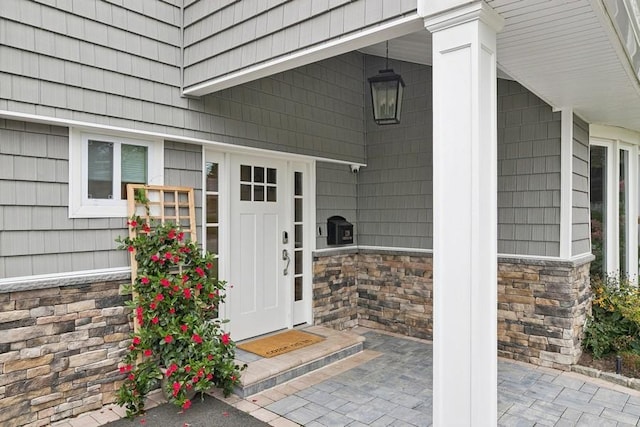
(258, 296)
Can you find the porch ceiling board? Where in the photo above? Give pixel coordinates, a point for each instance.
(566, 52)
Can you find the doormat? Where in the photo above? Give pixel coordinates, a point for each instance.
(281, 343)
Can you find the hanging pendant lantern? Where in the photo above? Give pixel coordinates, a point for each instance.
(386, 95)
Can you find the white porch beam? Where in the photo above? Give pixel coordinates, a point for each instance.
(465, 214)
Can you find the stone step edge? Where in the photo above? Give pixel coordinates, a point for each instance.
(633, 383)
(297, 371)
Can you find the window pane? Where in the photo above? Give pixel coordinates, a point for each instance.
(298, 183)
(100, 170)
(212, 209)
(298, 210)
(598, 196)
(134, 164)
(212, 239)
(245, 192)
(298, 289)
(298, 236)
(212, 177)
(258, 193)
(272, 194)
(271, 176)
(245, 173)
(623, 214)
(298, 262)
(258, 174)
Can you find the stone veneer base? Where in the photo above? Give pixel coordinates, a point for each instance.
(542, 303)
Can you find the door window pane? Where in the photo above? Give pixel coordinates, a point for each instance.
(212, 208)
(258, 193)
(598, 190)
(212, 239)
(272, 194)
(245, 173)
(245, 192)
(272, 176)
(100, 170)
(298, 184)
(212, 177)
(297, 294)
(258, 174)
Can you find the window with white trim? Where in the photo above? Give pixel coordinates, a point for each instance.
(101, 166)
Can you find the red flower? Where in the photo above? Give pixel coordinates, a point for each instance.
(211, 295)
(199, 286)
(171, 234)
(225, 339)
(159, 297)
(176, 259)
(130, 249)
(146, 228)
(136, 340)
(168, 339)
(180, 236)
(210, 356)
(187, 293)
(131, 377)
(155, 257)
(197, 338)
(125, 368)
(176, 388)
(209, 377)
(148, 352)
(209, 265)
(173, 368)
(145, 280)
(185, 278)
(139, 316)
(172, 310)
(152, 306)
(186, 404)
(200, 271)
(176, 288)
(155, 320)
(195, 379)
(184, 328)
(168, 255)
(187, 368)
(132, 223)
(164, 282)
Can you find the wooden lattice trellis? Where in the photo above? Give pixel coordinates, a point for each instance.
(161, 204)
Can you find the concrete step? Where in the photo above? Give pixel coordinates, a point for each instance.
(265, 373)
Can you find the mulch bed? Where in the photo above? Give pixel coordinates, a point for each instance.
(608, 364)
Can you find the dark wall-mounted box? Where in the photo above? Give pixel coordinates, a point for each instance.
(339, 231)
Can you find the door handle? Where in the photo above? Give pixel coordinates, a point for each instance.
(285, 257)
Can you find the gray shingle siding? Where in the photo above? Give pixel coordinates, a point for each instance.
(581, 228)
(528, 173)
(336, 194)
(395, 190)
(119, 65)
(227, 36)
(36, 235)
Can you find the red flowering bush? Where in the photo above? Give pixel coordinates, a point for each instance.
(178, 336)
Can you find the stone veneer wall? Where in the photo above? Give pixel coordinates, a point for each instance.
(335, 297)
(395, 292)
(542, 304)
(542, 308)
(59, 351)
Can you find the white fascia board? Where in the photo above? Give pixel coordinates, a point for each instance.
(388, 30)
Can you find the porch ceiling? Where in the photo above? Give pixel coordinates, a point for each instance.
(567, 52)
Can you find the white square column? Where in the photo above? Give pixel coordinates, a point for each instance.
(465, 215)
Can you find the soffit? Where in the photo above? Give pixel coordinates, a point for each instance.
(565, 51)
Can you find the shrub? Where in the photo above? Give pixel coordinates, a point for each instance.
(614, 325)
